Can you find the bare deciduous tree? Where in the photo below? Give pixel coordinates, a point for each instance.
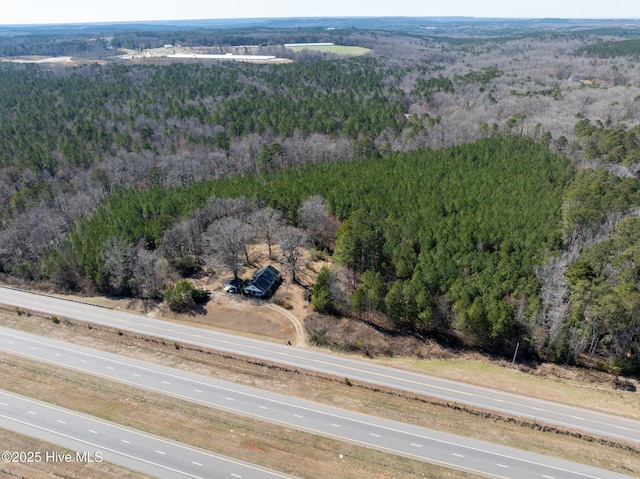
(314, 217)
(292, 241)
(148, 270)
(182, 245)
(116, 264)
(266, 224)
(227, 237)
(217, 208)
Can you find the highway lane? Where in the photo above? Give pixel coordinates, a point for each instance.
(96, 440)
(389, 436)
(340, 366)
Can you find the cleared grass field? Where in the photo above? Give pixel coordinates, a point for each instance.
(336, 49)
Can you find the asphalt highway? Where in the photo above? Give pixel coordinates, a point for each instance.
(340, 366)
(418, 443)
(95, 440)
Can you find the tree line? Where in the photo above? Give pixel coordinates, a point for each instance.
(438, 240)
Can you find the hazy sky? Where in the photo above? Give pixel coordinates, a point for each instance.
(65, 11)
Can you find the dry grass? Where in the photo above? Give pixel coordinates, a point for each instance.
(579, 387)
(253, 441)
(349, 335)
(359, 397)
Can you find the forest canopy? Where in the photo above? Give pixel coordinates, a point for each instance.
(455, 224)
(474, 181)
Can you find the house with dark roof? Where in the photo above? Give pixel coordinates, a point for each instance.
(262, 282)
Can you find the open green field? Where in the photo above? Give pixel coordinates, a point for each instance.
(337, 49)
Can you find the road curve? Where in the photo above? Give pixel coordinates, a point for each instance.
(97, 440)
(414, 442)
(356, 370)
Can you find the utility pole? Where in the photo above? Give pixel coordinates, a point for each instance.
(513, 362)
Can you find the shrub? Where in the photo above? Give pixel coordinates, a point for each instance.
(179, 297)
(183, 296)
(321, 297)
(200, 296)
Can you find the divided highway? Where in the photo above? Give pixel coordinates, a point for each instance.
(340, 366)
(96, 440)
(389, 436)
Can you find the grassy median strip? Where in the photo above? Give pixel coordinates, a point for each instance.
(341, 392)
(254, 441)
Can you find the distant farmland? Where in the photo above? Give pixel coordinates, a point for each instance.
(336, 49)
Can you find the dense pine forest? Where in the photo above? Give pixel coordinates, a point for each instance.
(469, 183)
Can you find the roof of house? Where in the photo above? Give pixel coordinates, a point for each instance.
(264, 278)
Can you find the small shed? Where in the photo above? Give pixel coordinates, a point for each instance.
(262, 282)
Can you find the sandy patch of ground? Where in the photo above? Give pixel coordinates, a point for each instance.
(52, 61)
(240, 315)
(37, 59)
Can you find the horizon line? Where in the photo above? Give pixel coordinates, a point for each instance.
(317, 17)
